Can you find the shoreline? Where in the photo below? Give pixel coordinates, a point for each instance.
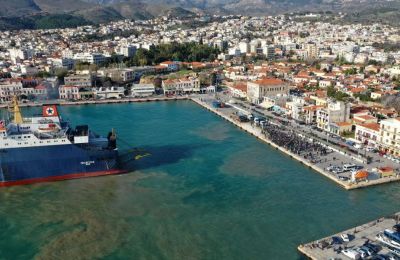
(243, 126)
(257, 133)
(98, 102)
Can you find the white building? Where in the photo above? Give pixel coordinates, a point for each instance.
(330, 119)
(92, 58)
(17, 55)
(142, 90)
(69, 92)
(9, 89)
(368, 134)
(127, 51)
(389, 135)
(65, 63)
(109, 92)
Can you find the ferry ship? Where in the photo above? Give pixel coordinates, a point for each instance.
(46, 148)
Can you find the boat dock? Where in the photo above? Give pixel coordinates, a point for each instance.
(104, 101)
(325, 248)
(320, 168)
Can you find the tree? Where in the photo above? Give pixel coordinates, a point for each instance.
(61, 73)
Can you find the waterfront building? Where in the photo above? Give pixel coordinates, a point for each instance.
(142, 90)
(181, 86)
(266, 87)
(368, 134)
(8, 89)
(310, 114)
(295, 109)
(69, 92)
(389, 136)
(238, 90)
(335, 117)
(109, 92)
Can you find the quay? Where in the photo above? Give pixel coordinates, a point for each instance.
(104, 101)
(257, 132)
(366, 233)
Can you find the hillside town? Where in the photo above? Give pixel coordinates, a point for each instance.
(340, 79)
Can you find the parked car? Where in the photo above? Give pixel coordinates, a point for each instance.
(373, 247)
(367, 250)
(336, 241)
(362, 252)
(345, 237)
(353, 254)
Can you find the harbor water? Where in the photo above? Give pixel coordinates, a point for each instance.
(206, 191)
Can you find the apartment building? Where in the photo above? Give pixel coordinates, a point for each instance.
(84, 80)
(389, 136)
(69, 92)
(368, 134)
(335, 117)
(9, 89)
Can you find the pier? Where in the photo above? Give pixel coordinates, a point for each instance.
(257, 132)
(366, 233)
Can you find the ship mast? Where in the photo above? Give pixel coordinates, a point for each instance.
(17, 111)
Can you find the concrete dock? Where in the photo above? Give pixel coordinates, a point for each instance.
(323, 248)
(257, 132)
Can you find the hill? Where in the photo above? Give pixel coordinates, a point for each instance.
(16, 14)
(62, 6)
(17, 7)
(99, 14)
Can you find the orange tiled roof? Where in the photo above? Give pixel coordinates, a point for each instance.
(343, 124)
(269, 81)
(372, 126)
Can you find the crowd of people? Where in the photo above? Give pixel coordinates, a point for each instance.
(291, 141)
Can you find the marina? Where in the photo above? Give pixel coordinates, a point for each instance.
(320, 168)
(368, 237)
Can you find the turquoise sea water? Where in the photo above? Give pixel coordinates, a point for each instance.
(208, 191)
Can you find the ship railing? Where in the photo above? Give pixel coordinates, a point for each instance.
(49, 135)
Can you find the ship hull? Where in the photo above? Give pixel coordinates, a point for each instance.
(20, 166)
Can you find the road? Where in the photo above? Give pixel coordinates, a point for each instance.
(346, 154)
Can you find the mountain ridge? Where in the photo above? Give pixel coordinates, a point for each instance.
(101, 11)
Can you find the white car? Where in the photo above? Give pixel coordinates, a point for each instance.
(345, 237)
(353, 254)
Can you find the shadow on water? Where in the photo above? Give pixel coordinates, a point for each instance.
(154, 156)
